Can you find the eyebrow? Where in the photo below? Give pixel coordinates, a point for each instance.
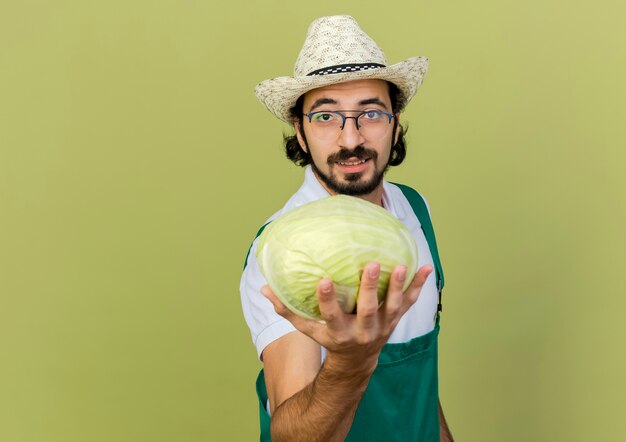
(320, 101)
(372, 101)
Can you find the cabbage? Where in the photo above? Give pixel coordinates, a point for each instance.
(333, 238)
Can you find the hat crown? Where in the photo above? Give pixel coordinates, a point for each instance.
(334, 41)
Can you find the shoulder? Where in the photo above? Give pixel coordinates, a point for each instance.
(405, 202)
(311, 190)
(404, 193)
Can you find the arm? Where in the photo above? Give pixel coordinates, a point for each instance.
(444, 431)
(323, 409)
(316, 403)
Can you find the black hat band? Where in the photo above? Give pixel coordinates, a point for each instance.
(341, 68)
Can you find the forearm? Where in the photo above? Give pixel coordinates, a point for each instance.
(444, 431)
(325, 409)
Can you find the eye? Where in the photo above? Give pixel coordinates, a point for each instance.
(372, 115)
(324, 117)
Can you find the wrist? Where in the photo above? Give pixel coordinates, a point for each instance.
(358, 368)
(346, 376)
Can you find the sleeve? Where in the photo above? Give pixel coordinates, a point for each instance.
(265, 324)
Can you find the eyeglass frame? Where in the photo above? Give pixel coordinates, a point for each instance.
(344, 118)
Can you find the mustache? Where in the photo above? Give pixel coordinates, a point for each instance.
(359, 152)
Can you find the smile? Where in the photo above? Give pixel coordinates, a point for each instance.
(351, 163)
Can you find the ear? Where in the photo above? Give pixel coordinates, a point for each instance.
(396, 135)
(297, 125)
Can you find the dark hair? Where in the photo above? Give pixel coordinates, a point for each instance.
(295, 153)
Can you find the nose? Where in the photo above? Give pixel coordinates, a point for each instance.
(350, 136)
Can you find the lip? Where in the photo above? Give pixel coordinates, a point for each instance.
(360, 166)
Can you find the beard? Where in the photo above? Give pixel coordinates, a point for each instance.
(354, 184)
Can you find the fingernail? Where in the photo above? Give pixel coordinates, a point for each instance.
(402, 273)
(326, 286)
(372, 272)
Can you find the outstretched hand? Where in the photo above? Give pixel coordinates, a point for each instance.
(360, 336)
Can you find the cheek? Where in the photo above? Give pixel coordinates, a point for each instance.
(317, 149)
(385, 151)
(318, 157)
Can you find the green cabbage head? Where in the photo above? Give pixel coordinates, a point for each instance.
(333, 238)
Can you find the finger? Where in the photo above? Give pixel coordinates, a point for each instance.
(279, 307)
(393, 301)
(306, 326)
(422, 274)
(367, 303)
(329, 306)
(412, 293)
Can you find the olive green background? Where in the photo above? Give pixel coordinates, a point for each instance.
(136, 166)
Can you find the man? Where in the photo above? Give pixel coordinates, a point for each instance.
(371, 375)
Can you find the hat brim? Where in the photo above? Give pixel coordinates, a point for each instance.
(280, 94)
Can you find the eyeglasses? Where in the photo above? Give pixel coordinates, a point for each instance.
(372, 124)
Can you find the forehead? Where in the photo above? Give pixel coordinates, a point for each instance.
(350, 93)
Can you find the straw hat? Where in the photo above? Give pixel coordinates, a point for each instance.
(337, 50)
